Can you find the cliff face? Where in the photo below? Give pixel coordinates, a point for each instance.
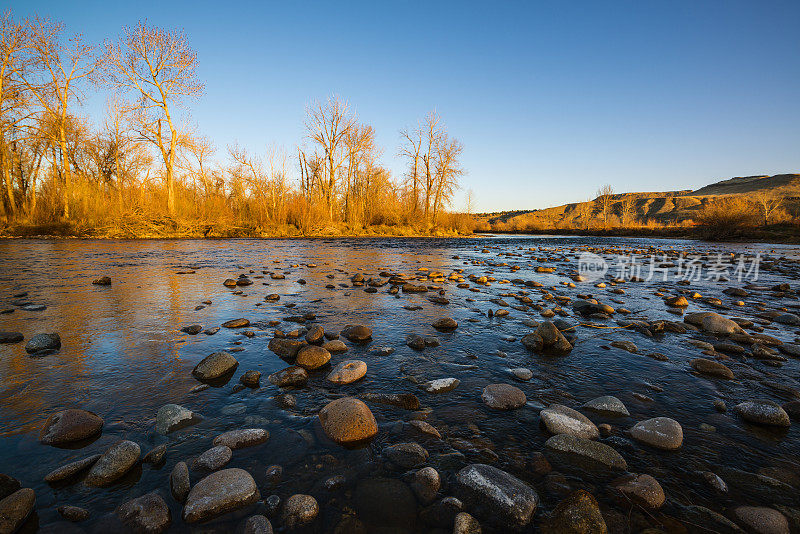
(664, 208)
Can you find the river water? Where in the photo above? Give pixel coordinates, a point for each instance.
(123, 356)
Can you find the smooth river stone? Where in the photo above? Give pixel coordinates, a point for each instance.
(441, 385)
(71, 469)
(239, 439)
(763, 412)
(172, 417)
(113, 464)
(15, 509)
(659, 432)
(348, 421)
(312, 357)
(68, 426)
(220, 493)
(147, 514)
(607, 405)
(586, 449)
(503, 396)
(214, 366)
(507, 497)
(347, 372)
(560, 419)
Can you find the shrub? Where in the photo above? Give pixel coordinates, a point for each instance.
(727, 217)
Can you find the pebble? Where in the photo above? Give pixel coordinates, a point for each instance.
(215, 366)
(607, 405)
(179, 482)
(299, 510)
(503, 396)
(113, 463)
(73, 513)
(763, 412)
(347, 372)
(406, 455)
(43, 343)
(559, 419)
(426, 484)
(240, 439)
(643, 490)
(659, 432)
(215, 458)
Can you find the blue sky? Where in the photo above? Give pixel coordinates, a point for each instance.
(550, 99)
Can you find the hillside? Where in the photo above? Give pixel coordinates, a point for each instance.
(652, 209)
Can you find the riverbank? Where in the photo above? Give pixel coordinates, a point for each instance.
(778, 233)
(171, 229)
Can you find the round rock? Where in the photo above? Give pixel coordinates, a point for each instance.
(560, 419)
(313, 357)
(347, 372)
(659, 432)
(219, 493)
(214, 366)
(503, 396)
(68, 426)
(348, 421)
(113, 464)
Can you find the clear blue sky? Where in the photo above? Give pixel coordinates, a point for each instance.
(550, 99)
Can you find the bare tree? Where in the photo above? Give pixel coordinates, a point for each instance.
(159, 67)
(447, 171)
(410, 147)
(603, 203)
(432, 134)
(627, 208)
(769, 202)
(327, 125)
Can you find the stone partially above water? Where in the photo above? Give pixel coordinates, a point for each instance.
(560, 419)
(293, 376)
(147, 514)
(11, 337)
(357, 333)
(711, 368)
(348, 421)
(761, 520)
(15, 509)
(215, 366)
(607, 405)
(69, 426)
(71, 469)
(219, 493)
(659, 432)
(504, 496)
(578, 513)
(299, 510)
(43, 343)
(586, 450)
(713, 323)
(441, 385)
(643, 490)
(312, 357)
(240, 439)
(172, 417)
(347, 372)
(113, 464)
(503, 396)
(763, 412)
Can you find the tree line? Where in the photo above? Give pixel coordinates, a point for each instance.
(146, 164)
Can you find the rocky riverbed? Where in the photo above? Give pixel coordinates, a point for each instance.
(398, 385)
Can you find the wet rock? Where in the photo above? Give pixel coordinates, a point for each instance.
(503, 396)
(522, 373)
(607, 405)
(15, 509)
(192, 330)
(466, 524)
(763, 412)
(113, 463)
(146, 514)
(677, 302)
(73, 513)
(240, 439)
(415, 341)
(312, 357)
(441, 513)
(315, 335)
(445, 324)
(407, 401)
(348, 421)
(792, 409)
(215, 366)
(357, 333)
(179, 482)
(215, 458)
(579, 513)
(335, 346)
(293, 376)
(559, 419)
(586, 451)
(347, 372)
(659, 432)
(441, 385)
(713, 480)
(251, 379)
(9, 485)
(257, 524)
(425, 428)
(642, 490)
(11, 337)
(385, 502)
(156, 455)
(236, 323)
(43, 343)
(102, 281)
(625, 345)
(71, 469)
(761, 520)
(172, 417)
(503, 496)
(68, 426)
(299, 510)
(709, 521)
(286, 349)
(426, 484)
(711, 368)
(713, 323)
(406, 455)
(211, 331)
(219, 493)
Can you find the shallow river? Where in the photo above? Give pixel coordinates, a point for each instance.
(123, 356)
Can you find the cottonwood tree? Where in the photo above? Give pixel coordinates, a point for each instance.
(432, 136)
(626, 209)
(159, 67)
(410, 148)
(57, 68)
(769, 202)
(585, 211)
(327, 125)
(603, 203)
(447, 171)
